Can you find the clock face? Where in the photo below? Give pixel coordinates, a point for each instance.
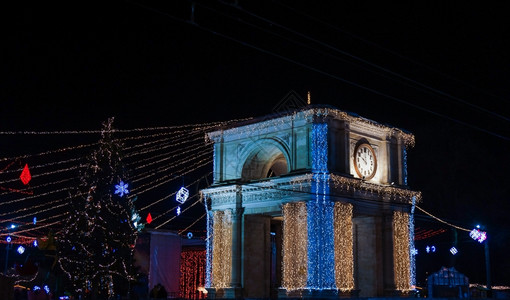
(365, 161)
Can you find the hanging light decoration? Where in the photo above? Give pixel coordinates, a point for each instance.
(25, 175)
(182, 195)
(121, 189)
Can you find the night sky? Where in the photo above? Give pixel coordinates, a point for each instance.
(438, 69)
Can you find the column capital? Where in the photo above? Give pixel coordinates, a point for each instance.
(237, 212)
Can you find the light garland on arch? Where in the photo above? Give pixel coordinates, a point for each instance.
(401, 253)
(356, 184)
(344, 256)
(407, 138)
(222, 249)
(295, 246)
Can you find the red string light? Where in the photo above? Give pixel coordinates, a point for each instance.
(192, 280)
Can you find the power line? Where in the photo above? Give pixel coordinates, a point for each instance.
(287, 59)
(371, 43)
(357, 58)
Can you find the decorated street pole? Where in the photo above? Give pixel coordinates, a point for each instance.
(481, 236)
(488, 266)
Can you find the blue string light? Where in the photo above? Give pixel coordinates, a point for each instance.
(321, 254)
(208, 247)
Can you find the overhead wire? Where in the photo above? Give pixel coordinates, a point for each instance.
(304, 65)
(371, 43)
(404, 79)
(51, 205)
(204, 162)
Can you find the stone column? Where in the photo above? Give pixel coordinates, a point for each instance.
(235, 290)
(236, 247)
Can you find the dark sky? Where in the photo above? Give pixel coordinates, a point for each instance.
(438, 69)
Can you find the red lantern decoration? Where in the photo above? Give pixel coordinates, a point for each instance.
(149, 218)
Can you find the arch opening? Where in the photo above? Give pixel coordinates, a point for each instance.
(267, 160)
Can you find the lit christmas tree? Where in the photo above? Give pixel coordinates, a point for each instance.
(96, 245)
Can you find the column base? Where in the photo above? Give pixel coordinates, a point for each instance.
(400, 294)
(349, 294)
(225, 293)
(317, 294)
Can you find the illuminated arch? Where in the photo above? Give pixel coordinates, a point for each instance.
(264, 158)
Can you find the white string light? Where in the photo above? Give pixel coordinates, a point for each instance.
(140, 188)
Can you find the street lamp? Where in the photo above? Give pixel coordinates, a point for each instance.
(8, 247)
(481, 236)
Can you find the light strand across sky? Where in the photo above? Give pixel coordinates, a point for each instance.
(158, 159)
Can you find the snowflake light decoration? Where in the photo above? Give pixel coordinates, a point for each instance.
(182, 195)
(121, 189)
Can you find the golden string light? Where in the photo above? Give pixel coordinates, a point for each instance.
(198, 219)
(222, 249)
(66, 189)
(356, 184)
(73, 168)
(206, 154)
(295, 246)
(442, 221)
(183, 170)
(344, 256)
(183, 211)
(401, 253)
(171, 194)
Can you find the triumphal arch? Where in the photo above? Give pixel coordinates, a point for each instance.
(310, 203)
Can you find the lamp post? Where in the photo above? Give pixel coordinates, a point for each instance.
(481, 236)
(8, 247)
(488, 266)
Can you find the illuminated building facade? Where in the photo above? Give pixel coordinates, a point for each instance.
(310, 203)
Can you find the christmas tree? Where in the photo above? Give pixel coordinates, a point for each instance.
(97, 242)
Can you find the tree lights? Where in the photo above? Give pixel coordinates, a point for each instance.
(97, 242)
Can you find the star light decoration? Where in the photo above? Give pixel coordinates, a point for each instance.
(121, 189)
